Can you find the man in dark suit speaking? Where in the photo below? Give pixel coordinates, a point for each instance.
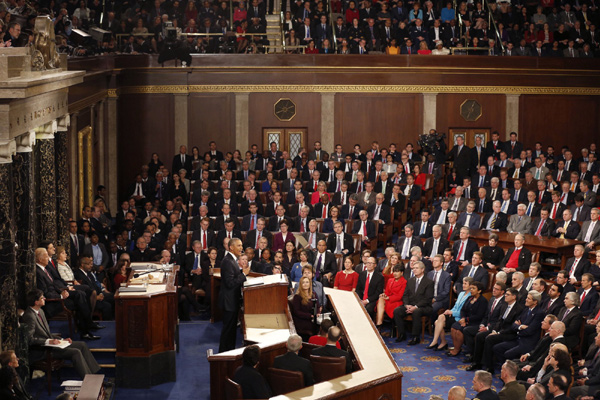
(230, 296)
(417, 300)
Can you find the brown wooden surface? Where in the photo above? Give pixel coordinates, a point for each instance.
(211, 117)
(493, 108)
(145, 323)
(562, 247)
(385, 117)
(266, 299)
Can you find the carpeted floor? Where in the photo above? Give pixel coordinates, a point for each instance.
(425, 371)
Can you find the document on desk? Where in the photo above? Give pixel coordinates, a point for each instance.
(254, 281)
(149, 290)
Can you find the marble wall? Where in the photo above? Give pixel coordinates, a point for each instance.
(46, 191)
(62, 189)
(8, 270)
(24, 200)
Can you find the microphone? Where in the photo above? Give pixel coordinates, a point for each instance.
(144, 273)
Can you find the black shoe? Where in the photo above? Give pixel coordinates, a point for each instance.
(431, 346)
(89, 336)
(400, 338)
(414, 341)
(468, 359)
(444, 347)
(97, 327)
(473, 367)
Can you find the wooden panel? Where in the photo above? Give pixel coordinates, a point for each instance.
(145, 127)
(493, 112)
(552, 119)
(211, 117)
(308, 115)
(388, 118)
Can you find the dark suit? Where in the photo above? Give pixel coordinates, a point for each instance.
(484, 354)
(422, 297)
(513, 151)
(232, 279)
(348, 242)
(254, 385)
(76, 251)
(414, 241)
(293, 362)
(324, 264)
(376, 286)
(573, 321)
(524, 259)
(428, 246)
(469, 249)
(480, 275)
(588, 304)
(462, 160)
(333, 351)
(501, 221)
(573, 229)
(427, 229)
(547, 227)
(358, 229)
(178, 164)
(346, 210)
(252, 236)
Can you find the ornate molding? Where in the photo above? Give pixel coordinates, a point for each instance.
(8, 148)
(63, 123)
(25, 142)
(515, 90)
(46, 131)
(112, 93)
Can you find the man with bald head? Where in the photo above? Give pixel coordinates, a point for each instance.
(457, 393)
(331, 350)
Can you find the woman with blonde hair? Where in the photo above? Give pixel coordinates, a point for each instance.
(303, 306)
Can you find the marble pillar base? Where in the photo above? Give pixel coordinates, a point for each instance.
(8, 267)
(24, 201)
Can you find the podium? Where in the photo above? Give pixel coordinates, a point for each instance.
(267, 317)
(146, 326)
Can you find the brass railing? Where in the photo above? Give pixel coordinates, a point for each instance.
(493, 26)
(458, 50)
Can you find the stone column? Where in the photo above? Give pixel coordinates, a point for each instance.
(73, 167)
(24, 194)
(181, 122)
(327, 121)
(8, 265)
(512, 114)
(61, 151)
(241, 121)
(429, 111)
(46, 176)
(111, 122)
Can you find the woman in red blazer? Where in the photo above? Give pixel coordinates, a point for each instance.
(282, 237)
(392, 295)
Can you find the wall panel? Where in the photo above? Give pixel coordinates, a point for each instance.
(559, 120)
(145, 126)
(363, 117)
(260, 110)
(493, 115)
(211, 117)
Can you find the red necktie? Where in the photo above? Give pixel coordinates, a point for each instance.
(574, 266)
(302, 226)
(460, 251)
(554, 208)
(540, 200)
(360, 187)
(562, 197)
(558, 178)
(366, 293)
(582, 297)
(316, 186)
(365, 230)
(539, 229)
(204, 240)
(324, 211)
(252, 222)
(339, 187)
(450, 232)
(597, 316)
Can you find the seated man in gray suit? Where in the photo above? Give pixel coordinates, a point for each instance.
(78, 352)
(519, 222)
(590, 231)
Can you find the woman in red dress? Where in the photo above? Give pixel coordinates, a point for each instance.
(321, 190)
(420, 179)
(387, 271)
(392, 296)
(348, 278)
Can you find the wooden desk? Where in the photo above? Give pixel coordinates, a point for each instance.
(378, 374)
(562, 247)
(146, 325)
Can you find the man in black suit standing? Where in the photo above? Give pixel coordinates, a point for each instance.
(418, 298)
(370, 286)
(213, 152)
(291, 361)
(230, 296)
(182, 161)
(512, 147)
(331, 350)
(461, 156)
(77, 243)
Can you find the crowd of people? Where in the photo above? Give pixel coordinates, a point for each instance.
(542, 29)
(316, 217)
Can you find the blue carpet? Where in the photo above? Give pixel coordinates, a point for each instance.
(425, 371)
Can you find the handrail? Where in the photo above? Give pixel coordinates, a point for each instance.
(492, 22)
(333, 37)
(453, 49)
(458, 17)
(231, 33)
